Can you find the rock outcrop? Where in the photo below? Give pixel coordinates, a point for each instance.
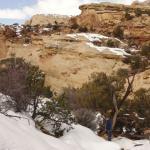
(66, 61)
(3, 49)
(68, 58)
(42, 19)
(104, 17)
(146, 2)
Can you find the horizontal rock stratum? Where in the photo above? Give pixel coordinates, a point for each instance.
(104, 17)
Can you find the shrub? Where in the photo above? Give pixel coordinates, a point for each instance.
(49, 25)
(83, 29)
(128, 16)
(74, 26)
(110, 43)
(146, 50)
(118, 32)
(91, 95)
(85, 117)
(56, 27)
(137, 63)
(102, 93)
(97, 93)
(54, 117)
(23, 82)
(141, 105)
(138, 12)
(147, 12)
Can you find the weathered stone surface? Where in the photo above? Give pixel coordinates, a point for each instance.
(42, 19)
(104, 17)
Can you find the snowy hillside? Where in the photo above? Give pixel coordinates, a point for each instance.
(19, 133)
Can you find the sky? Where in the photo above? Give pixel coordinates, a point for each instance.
(12, 11)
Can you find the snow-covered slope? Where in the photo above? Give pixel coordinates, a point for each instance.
(132, 145)
(87, 140)
(20, 134)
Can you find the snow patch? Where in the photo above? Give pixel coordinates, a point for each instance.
(132, 145)
(116, 51)
(98, 37)
(18, 132)
(90, 36)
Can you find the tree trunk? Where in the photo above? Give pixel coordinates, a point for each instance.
(116, 111)
(117, 107)
(114, 119)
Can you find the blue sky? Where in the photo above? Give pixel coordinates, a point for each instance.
(15, 3)
(19, 10)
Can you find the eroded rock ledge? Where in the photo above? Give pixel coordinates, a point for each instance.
(104, 17)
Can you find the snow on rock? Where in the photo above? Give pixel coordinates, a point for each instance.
(90, 36)
(82, 137)
(97, 37)
(116, 51)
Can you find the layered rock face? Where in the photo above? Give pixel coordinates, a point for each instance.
(65, 60)
(146, 2)
(42, 19)
(3, 49)
(69, 58)
(104, 17)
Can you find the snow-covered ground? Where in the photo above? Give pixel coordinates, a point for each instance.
(19, 133)
(132, 145)
(98, 37)
(85, 139)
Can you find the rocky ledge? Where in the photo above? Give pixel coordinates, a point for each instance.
(105, 17)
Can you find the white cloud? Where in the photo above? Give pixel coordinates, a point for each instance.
(11, 14)
(64, 7)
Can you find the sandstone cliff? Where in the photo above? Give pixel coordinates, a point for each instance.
(69, 59)
(65, 60)
(146, 2)
(104, 17)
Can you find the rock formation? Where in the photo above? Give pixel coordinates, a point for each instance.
(41, 19)
(104, 17)
(146, 2)
(68, 58)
